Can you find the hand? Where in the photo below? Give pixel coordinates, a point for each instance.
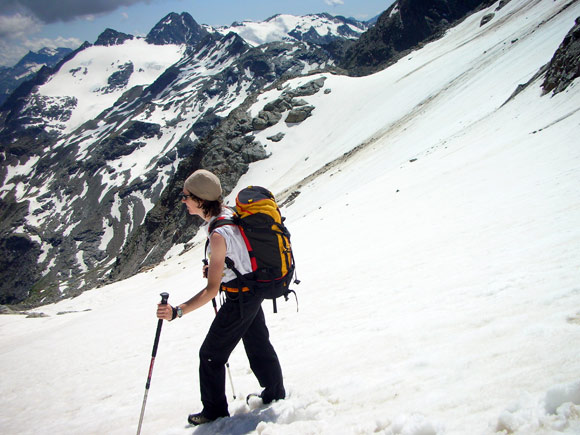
(164, 311)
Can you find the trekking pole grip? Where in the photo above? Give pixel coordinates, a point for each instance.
(164, 297)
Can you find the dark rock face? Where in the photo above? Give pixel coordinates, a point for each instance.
(125, 143)
(112, 37)
(176, 29)
(402, 26)
(18, 253)
(119, 79)
(18, 250)
(564, 67)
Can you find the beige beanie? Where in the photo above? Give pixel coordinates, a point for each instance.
(204, 185)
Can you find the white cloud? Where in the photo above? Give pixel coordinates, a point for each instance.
(16, 38)
(17, 25)
(38, 43)
(334, 2)
(10, 53)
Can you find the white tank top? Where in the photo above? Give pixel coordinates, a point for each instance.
(235, 247)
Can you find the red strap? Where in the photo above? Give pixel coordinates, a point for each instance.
(253, 261)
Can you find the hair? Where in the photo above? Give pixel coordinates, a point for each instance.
(210, 208)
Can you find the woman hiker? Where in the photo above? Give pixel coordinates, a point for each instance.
(202, 195)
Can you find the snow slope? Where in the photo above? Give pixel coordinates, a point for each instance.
(439, 263)
(84, 78)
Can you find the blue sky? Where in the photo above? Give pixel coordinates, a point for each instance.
(34, 24)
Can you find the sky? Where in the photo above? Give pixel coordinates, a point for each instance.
(34, 24)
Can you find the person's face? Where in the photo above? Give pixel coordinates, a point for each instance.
(191, 204)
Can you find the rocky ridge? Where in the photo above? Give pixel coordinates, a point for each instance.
(564, 67)
(404, 25)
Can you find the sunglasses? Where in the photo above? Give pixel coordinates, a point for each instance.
(183, 196)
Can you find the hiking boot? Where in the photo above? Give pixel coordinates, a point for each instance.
(197, 419)
(269, 396)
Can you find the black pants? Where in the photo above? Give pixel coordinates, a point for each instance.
(226, 331)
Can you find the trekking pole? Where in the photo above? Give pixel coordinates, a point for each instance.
(164, 297)
(214, 303)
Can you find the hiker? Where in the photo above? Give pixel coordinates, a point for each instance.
(202, 196)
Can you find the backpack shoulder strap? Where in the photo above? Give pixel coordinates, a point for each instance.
(219, 222)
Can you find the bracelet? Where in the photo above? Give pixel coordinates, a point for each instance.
(174, 315)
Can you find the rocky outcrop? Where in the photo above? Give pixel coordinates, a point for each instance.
(112, 37)
(299, 114)
(289, 101)
(120, 78)
(564, 67)
(277, 137)
(266, 119)
(486, 19)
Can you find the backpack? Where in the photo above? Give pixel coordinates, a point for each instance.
(267, 239)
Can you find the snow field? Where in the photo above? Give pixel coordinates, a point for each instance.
(82, 79)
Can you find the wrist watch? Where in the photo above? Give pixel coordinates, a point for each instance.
(179, 312)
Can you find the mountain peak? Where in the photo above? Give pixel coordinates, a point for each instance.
(176, 28)
(112, 37)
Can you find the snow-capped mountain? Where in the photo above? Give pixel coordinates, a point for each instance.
(89, 147)
(314, 28)
(177, 29)
(27, 67)
(434, 213)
